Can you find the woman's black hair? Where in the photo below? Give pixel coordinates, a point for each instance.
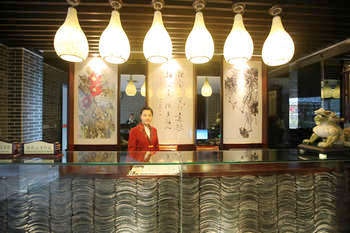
(146, 108)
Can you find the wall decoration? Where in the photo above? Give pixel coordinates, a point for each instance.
(242, 104)
(95, 102)
(171, 95)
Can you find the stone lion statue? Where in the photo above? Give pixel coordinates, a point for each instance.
(327, 128)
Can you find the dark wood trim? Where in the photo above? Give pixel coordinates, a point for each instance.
(345, 96)
(341, 83)
(265, 106)
(115, 147)
(177, 147)
(70, 119)
(146, 81)
(186, 147)
(215, 170)
(249, 145)
(222, 86)
(195, 103)
(118, 104)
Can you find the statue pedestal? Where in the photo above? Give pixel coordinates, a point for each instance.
(323, 150)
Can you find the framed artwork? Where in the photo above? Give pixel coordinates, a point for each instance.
(95, 102)
(170, 92)
(243, 104)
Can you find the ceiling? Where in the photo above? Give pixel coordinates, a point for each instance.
(313, 24)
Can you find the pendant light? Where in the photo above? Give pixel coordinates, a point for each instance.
(143, 89)
(336, 91)
(199, 46)
(157, 46)
(130, 89)
(206, 90)
(278, 48)
(70, 41)
(114, 44)
(238, 48)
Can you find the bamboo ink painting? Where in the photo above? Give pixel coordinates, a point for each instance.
(242, 104)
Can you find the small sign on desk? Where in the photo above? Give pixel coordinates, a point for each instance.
(39, 148)
(5, 148)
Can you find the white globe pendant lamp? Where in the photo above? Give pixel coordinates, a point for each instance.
(70, 42)
(278, 48)
(199, 46)
(206, 90)
(238, 47)
(114, 44)
(130, 88)
(157, 45)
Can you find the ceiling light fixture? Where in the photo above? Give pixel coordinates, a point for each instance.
(130, 89)
(70, 41)
(206, 90)
(114, 44)
(278, 48)
(157, 46)
(199, 46)
(238, 48)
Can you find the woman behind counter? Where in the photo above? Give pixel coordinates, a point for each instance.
(143, 137)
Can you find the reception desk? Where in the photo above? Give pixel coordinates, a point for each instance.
(243, 190)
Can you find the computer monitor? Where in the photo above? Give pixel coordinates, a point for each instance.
(202, 134)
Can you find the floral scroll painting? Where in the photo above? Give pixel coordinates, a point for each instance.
(170, 94)
(242, 104)
(95, 102)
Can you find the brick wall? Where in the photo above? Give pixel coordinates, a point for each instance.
(53, 80)
(21, 83)
(15, 73)
(32, 96)
(3, 92)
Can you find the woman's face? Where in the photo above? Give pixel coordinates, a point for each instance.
(146, 117)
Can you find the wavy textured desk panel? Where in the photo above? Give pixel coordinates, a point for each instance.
(244, 203)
